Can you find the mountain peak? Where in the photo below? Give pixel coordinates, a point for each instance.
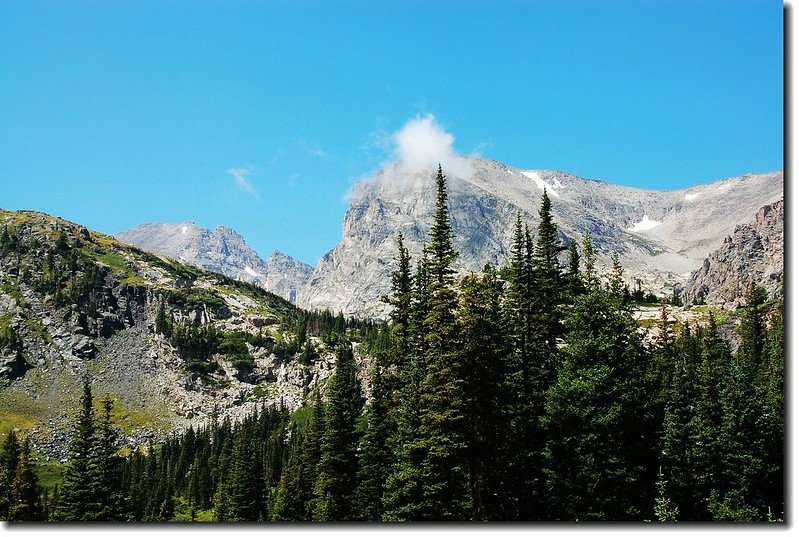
(222, 250)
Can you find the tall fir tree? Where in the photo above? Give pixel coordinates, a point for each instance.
(375, 453)
(444, 471)
(9, 458)
(601, 430)
(25, 504)
(77, 494)
(483, 351)
(338, 463)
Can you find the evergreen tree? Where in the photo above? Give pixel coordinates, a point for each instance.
(483, 356)
(25, 502)
(589, 262)
(77, 494)
(601, 443)
(295, 495)
(444, 471)
(9, 459)
(107, 472)
(239, 494)
(573, 278)
(338, 464)
(375, 454)
(400, 298)
(403, 494)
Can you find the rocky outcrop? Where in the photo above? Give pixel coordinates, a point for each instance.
(221, 250)
(753, 253)
(660, 236)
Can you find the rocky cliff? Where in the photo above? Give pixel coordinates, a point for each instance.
(660, 236)
(221, 250)
(754, 252)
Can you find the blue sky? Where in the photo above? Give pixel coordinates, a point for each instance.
(260, 115)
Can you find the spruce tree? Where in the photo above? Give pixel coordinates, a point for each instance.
(400, 298)
(444, 471)
(403, 494)
(601, 444)
(375, 454)
(25, 502)
(107, 476)
(9, 459)
(483, 353)
(338, 463)
(77, 494)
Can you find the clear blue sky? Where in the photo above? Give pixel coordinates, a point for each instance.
(260, 115)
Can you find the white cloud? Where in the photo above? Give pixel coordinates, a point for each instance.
(424, 144)
(419, 145)
(241, 177)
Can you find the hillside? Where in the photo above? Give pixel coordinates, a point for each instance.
(167, 341)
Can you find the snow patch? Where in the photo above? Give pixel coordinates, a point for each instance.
(644, 225)
(251, 272)
(551, 189)
(690, 197)
(184, 229)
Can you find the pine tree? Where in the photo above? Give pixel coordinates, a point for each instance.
(25, 502)
(403, 494)
(375, 454)
(77, 495)
(400, 298)
(338, 463)
(601, 430)
(107, 476)
(484, 364)
(444, 472)
(573, 278)
(9, 459)
(589, 262)
(294, 498)
(240, 493)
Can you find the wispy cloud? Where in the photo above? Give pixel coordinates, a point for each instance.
(313, 150)
(242, 180)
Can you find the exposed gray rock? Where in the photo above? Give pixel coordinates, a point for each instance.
(753, 253)
(660, 236)
(221, 250)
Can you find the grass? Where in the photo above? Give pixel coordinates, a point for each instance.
(127, 420)
(49, 472)
(10, 421)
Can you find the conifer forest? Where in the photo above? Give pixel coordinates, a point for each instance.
(525, 392)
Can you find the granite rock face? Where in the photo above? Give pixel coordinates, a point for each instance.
(660, 236)
(753, 253)
(220, 250)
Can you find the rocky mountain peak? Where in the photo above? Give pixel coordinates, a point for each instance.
(660, 236)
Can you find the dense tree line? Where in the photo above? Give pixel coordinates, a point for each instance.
(524, 392)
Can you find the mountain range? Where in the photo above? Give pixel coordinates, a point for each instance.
(661, 236)
(221, 250)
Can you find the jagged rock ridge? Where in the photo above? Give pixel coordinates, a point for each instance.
(221, 250)
(753, 253)
(660, 236)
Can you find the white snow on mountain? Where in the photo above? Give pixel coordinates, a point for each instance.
(543, 185)
(644, 225)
